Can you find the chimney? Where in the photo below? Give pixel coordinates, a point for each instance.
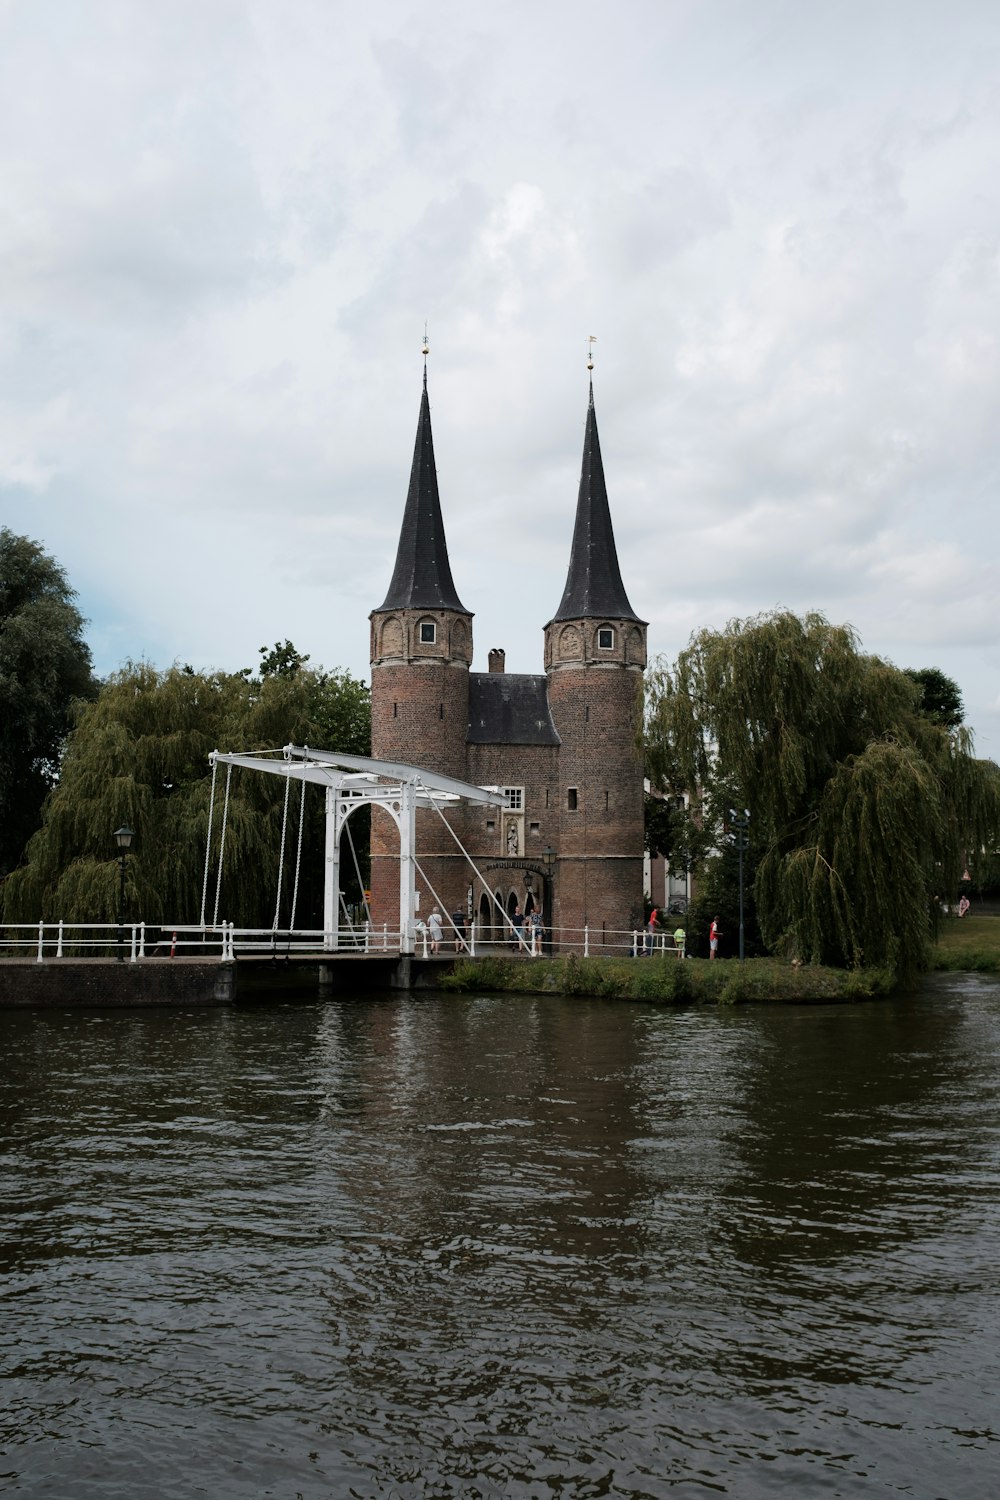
(498, 659)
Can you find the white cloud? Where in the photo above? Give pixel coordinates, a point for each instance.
(222, 228)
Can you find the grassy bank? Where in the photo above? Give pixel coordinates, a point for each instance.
(969, 944)
(695, 981)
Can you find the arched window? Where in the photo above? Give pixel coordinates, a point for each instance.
(392, 638)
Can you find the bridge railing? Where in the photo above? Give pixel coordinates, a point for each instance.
(587, 942)
(136, 941)
(132, 941)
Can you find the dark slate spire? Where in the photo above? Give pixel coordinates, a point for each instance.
(422, 575)
(594, 585)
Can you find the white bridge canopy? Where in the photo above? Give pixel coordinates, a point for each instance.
(353, 781)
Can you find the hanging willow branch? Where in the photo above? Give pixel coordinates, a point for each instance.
(139, 755)
(863, 807)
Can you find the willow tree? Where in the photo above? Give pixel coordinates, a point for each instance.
(44, 665)
(139, 755)
(862, 809)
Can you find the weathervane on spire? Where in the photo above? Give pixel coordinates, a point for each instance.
(426, 349)
(591, 341)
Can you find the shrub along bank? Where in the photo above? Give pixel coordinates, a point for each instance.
(668, 980)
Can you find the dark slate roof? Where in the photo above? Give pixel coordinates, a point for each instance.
(507, 708)
(594, 587)
(422, 575)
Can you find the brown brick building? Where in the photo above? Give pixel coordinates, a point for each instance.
(562, 745)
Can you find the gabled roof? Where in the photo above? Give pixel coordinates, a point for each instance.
(422, 578)
(594, 587)
(508, 708)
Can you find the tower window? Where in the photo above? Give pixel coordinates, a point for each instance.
(605, 638)
(440, 710)
(513, 797)
(428, 632)
(395, 708)
(571, 798)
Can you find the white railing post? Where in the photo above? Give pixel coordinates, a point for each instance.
(142, 940)
(385, 936)
(132, 959)
(586, 942)
(368, 936)
(472, 938)
(59, 943)
(41, 942)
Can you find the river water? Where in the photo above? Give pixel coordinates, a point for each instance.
(405, 1247)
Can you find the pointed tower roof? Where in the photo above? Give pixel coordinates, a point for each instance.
(422, 578)
(594, 583)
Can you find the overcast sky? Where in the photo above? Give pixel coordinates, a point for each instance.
(224, 222)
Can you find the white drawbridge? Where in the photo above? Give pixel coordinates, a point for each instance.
(350, 782)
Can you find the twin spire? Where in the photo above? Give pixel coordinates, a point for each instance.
(594, 582)
(422, 577)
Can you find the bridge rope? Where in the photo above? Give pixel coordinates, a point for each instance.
(208, 842)
(298, 851)
(281, 855)
(357, 870)
(222, 847)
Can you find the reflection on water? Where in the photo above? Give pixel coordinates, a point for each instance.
(502, 1247)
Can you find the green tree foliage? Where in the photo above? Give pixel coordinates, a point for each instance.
(940, 696)
(717, 887)
(139, 755)
(281, 660)
(862, 809)
(661, 826)
(44, 666)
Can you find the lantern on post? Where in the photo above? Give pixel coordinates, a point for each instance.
(123, 838)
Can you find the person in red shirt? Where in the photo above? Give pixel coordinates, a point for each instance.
(713, 938)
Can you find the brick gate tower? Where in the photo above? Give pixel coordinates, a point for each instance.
(421, 650)
(562, 746)
(595, 654)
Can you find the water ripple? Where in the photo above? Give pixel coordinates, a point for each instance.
(399, 1248)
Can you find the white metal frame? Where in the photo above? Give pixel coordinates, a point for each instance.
(353, 781)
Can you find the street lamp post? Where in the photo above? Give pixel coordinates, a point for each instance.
(740, 824)
(549, 861)
(123, 838)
